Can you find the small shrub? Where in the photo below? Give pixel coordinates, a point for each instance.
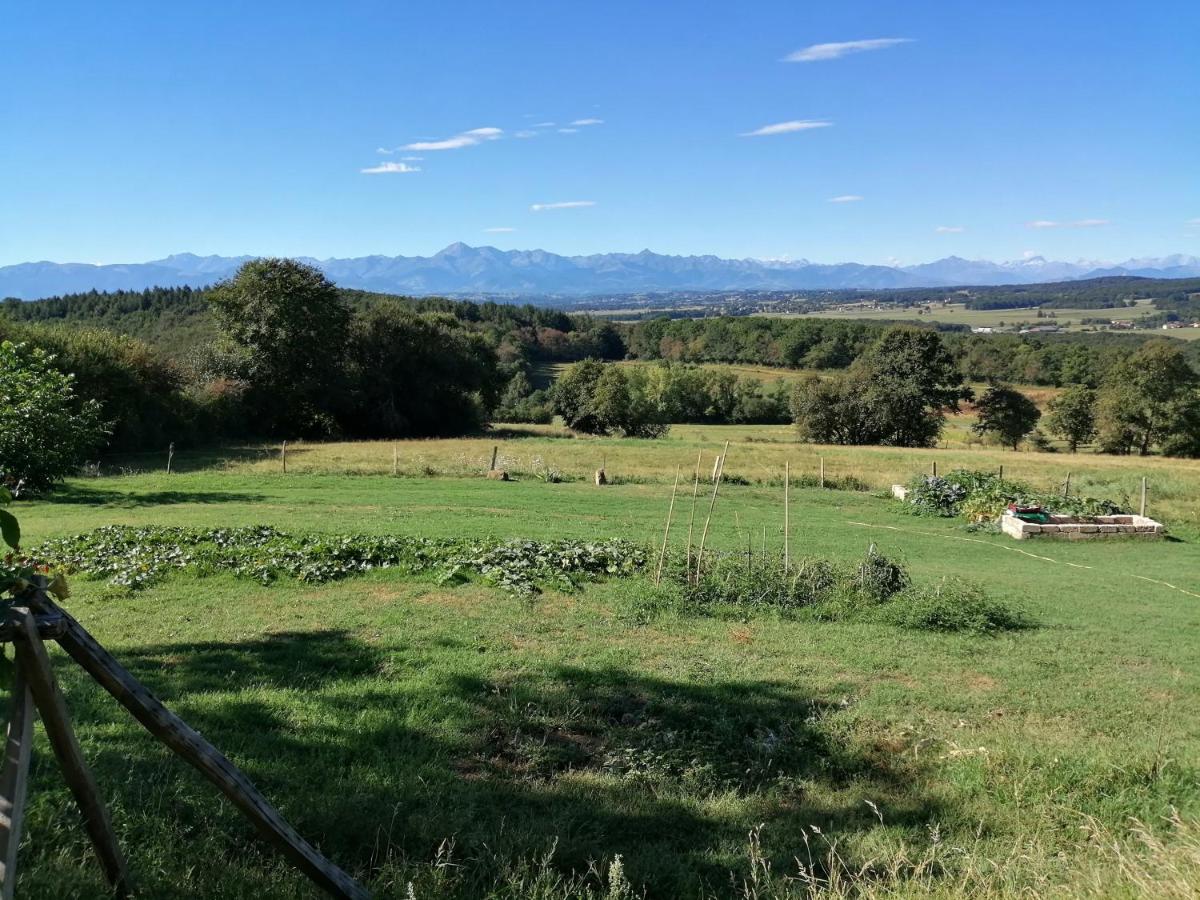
(953, 605)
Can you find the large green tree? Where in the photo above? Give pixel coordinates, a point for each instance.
(1073, 415)
(1007, 413)
(288, 327)
(1149, 400)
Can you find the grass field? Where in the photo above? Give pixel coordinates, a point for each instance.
(472, 744)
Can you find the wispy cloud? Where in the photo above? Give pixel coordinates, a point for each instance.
(950, 229)
(544, 124)
(568, 131)
(525, 133)
(384, 150)
(1078, 223)
(821, 52)
(390, 168)
(1195, 221)
(844, 198)
(501, 230)
(588, 122)
(465, 139)
(562, 204)
(786, 127)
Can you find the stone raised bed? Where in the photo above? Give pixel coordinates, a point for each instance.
(1082, 528)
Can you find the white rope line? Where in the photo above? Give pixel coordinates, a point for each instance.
(954, 537)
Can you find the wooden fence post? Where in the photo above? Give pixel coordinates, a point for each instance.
(395, 460)
(170, 455)
(1143, 506)
(283, 456)
(495, 451)
(1067, 486)
(14, 780)
(822, 481)
(35, 663)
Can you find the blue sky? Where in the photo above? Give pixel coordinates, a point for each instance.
(134, 130)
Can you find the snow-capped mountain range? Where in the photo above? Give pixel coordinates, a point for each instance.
(461, 269)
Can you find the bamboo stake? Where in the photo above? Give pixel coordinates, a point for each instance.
(692, 517)
(35, 663)
(787, 481)
(711, 503)
(191, 746)
(1143, 506)
(662, 557)
(14, 781)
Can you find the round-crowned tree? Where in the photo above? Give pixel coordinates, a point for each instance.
(46, 431)
(1007, 413)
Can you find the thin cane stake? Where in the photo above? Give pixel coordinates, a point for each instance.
(692, 517)
(787, 481)
(662, 557)
(711, 504)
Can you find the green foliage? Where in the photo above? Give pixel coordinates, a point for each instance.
(46, 431)
(982, 497)
(954, 605)
(601, 398)
(1150, 400)
(416, 375)
(1073, 415)
(131, 558)
(1008, 414)
(288, 326)
(897, 393)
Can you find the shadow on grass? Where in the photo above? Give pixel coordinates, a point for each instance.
(200, 459)
(86, 495)
(379, 754)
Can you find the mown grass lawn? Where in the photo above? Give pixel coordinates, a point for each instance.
(478, 744)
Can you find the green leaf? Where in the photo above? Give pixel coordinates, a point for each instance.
(5, 496)
(10, 529)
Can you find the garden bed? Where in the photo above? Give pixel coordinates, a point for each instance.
(1082, 528)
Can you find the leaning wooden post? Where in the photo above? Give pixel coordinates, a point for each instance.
(170, 455)
(711, 503)
(1143, 506)
(395, 460)
(787, 481)
(662, 557)
(1067, 486)
(14, 780)
(1001, 471)
(495, 451)
(283, 456)
(189, 744)
(35, 664)
(692, 517)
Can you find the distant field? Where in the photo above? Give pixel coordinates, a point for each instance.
(958, 314)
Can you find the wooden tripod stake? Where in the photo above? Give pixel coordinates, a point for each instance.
(35, 685)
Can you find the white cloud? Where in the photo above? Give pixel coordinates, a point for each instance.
(501, 230)
(950, 229)
(787, 127)
(384, 150)
(1030, 254)
(1078, 223)
(568, 131)
(465, 139)
(1195, 221)
(412, 158)
(544, 124)
(844, 198)
(388, 168)
(820, 52)
(588, 122)
(525, 133)
(562, 204)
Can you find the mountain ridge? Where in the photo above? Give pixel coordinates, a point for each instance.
(462, 269)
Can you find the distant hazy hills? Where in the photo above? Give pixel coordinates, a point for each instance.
(460, 269)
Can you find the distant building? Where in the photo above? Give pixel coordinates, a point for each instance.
(1118, 323)
(982, 330)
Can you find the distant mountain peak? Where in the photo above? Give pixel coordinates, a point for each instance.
(460, 268)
